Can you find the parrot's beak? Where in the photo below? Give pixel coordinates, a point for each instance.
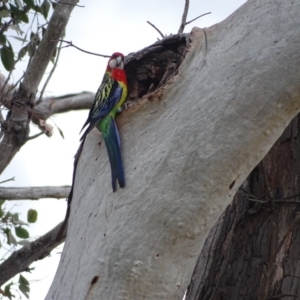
(119, 61)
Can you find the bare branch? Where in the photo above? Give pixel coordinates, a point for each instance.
(184, 16)
(20, 260)
(10, 179)
(51, 106)
(197, 18)
(70, 44)
(34, 193)
(156, 29)
(16, 126)
(35, 136)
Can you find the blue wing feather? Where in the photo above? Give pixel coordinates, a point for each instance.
(107, 96)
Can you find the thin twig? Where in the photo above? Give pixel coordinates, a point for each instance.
(70, 44)
(184, 16)
(5, 26)
(267, 192)
(10, 179)
(257, 200)
(34, 136)
(253, 198)
(289, 197)
(156, 29)
(197, 18)
(275, 201)
(8, 78)
(50, 74)
(15, 85)
(66, 3)
(5, 83)
(245, 191)
(282, 296)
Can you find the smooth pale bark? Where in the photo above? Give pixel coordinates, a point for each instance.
(186, 152)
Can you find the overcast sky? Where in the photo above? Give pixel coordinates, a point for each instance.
(103, 27)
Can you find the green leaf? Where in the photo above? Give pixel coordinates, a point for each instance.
(61, 133)
(1, 210)
(30, 3)
(20, 14)
(22, 52)
(7, 215)
(21, 39)
(4, 13)
(32, 215)
(24, 286)
(21, 232)
(7, 57)
(7, 291)
(45, 7)
(19, 4)
(43, 30)
(37, 9)
(17, 28)
(54, 4)
(15, 217)
(2, 39)
(34, 37)
(10, 238)
(31, 49)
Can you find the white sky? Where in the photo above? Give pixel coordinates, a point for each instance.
(103, 27)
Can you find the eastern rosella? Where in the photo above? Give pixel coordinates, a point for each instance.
(108, 101)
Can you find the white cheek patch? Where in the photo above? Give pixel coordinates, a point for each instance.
(112, 63)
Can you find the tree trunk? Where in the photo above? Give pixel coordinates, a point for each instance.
(187, 147)
(253, 250)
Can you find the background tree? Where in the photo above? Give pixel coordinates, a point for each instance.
(20, 100)
(254, 246)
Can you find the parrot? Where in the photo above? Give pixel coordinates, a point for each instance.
(107, 103)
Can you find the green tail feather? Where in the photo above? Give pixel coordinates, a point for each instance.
(112, 142)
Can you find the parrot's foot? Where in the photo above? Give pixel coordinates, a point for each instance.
(125, 106)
